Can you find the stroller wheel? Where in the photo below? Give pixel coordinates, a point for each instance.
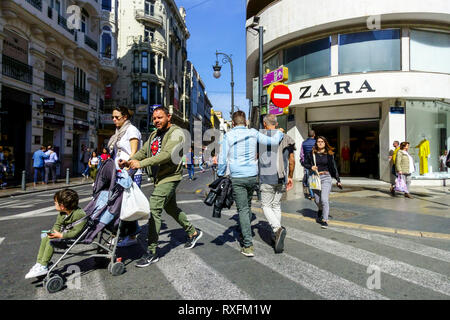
(54, 284)
(116, 268)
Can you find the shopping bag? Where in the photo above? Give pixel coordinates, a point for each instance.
(209, 201)
(314, 181)
(314, 178)
(400, 184)
(135, 205)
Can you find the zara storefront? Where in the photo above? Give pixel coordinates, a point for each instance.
(362, 74)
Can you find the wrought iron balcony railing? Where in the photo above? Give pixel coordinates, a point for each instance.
(16, 69)
(80, 94)
(54, 84)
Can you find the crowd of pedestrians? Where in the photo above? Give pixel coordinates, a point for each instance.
(254, 160)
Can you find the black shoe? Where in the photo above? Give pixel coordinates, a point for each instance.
(146, 260)
(324, 225)
(319, 216)
(193, 240)
(279, 240)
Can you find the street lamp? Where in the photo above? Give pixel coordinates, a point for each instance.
(217, 74)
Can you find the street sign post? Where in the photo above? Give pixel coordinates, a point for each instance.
(278, 75)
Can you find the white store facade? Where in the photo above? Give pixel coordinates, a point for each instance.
(363, 73)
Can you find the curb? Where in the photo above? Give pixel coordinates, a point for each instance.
(414, 233)
(18, 193)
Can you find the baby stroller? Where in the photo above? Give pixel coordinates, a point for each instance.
(102, 229)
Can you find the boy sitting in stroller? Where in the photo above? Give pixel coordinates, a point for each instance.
(66, 202)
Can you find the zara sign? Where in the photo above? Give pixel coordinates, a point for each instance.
(340, 87)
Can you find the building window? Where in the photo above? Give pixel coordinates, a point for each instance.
(308, 60)
(106, 42)
(152, 63)
(149, 8)
(430, 51)
(84, 21)
(272, 63)
(106, 5)
(136, 93)
(144, 61)
(144, 92)
(152, 100)
(80, 78)
(149, 34)
(136, 62)
(377, 50)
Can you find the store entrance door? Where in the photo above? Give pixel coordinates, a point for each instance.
(363, 140)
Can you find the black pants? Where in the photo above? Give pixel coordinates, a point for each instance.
(50, 166)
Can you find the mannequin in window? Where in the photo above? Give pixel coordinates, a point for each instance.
(424, 154)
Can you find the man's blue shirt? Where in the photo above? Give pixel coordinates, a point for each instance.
(238, 151)
(38, 159)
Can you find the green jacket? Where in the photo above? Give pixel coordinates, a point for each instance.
(63, 220)
(168, 171)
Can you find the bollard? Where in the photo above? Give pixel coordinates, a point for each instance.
(24, 185)
(67, 176)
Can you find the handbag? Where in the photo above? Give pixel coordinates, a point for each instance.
(400, 184)
(314, 179)
(209, 201)
(135, 205)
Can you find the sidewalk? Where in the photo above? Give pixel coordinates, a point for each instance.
(368, 204)
(60, 184)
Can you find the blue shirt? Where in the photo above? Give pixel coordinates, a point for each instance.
(52, 157)
(38, 158)
(239, 148)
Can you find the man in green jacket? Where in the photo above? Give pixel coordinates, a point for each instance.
(157, 154)
(66, 202)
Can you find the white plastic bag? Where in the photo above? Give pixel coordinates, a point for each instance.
(135, 205)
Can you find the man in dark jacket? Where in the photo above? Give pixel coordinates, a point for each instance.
(307, 146)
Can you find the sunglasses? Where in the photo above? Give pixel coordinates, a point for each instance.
(116, 117)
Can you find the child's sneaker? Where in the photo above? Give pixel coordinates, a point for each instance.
(36, 271)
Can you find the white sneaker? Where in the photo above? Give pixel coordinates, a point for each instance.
(36, 271)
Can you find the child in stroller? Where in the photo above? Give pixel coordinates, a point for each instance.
(66, 202)
(99, 225)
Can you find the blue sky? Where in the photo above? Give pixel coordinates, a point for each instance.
(218, 25)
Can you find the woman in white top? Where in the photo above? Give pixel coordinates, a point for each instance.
(122, 146)
(93, 165)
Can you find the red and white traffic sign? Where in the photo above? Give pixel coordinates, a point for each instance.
(281, 96)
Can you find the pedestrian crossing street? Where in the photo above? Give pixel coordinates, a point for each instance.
(334, 264)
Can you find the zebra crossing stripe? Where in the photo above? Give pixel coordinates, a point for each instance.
(194, 279)
(314, 279)
(410, 246)
(425, 278)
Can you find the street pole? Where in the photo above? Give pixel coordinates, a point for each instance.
(228, 59)
(261, 44)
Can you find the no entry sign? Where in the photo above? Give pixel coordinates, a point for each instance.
(281, 96)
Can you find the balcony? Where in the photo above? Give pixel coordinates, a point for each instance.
(17, 70)
(90, 43)
(63, 23)
(54, 84)
(36, 3)
(81, 95)
(144, 17)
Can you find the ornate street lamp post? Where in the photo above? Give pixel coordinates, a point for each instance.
(217, 74)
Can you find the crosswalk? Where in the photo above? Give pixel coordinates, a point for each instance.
(201, 274)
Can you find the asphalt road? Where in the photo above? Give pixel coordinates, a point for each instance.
(338, 263)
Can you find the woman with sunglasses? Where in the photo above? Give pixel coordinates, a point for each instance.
(122, 146)
(321, 161)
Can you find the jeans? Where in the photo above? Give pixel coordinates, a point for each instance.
(243, 189)
(190, 168)
(164, 197)
(86, 169)
(321, 197)
(38, 171)
(271, 203)
(50, 166)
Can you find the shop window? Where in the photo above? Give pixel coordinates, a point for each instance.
(309, 60)
(425, 44)
(428, 120)
(377, 50)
